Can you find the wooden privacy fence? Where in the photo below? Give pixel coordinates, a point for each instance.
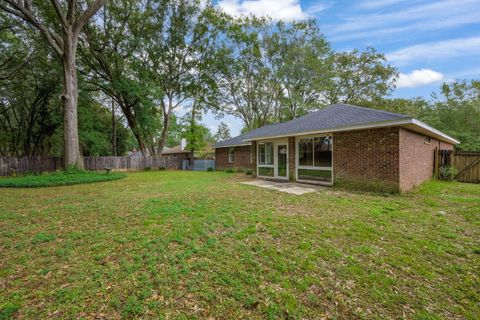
(467, 164)
(14, 165)
(21, 165)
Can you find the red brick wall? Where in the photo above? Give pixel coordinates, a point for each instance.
(417, 158)
(241, 159)
(368, 158)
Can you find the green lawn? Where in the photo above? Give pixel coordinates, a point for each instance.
(187, 245)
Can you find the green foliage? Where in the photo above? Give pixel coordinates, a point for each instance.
(210, 169)
(95, 129)
(42, 238)
(249, 172)
(230, 171)
(8, 310)
(223, 132)
(456, 111)
(69, 177)
(247, 89)
(30, 111)
(181, 51)
(176, 131)
(133, 307)
(360, 76)
(448, 172)
(111, 56)
(196, 135)
(299, 57)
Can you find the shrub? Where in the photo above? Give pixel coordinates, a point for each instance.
(147, 169)
(229, 171)
(249, 172)
(162, 169)
(448, 173)
(210, 169)
(61, 178)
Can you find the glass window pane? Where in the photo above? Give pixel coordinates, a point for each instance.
(265, 171)
(269, 153)
(315, 175)
(261, 153)
(305, 152)
(323, 152)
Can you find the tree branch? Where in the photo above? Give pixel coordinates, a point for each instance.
(80, 22)
(58, 10)
(25, 14)
(71, 10)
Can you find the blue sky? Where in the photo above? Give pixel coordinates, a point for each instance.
(430, 42)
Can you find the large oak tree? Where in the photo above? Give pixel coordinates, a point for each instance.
(61, 33)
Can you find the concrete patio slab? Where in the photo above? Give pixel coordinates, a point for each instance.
(288, 187)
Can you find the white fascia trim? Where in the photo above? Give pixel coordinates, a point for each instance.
(370, 125)
(446, 137)
(234, 145)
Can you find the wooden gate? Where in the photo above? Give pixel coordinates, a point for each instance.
(468, 166)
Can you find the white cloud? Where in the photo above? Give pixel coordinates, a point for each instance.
(471, 72)
(318, 7)
(436, 50)
(276, 9)
(386, 21)
(375, 4)
(418, 78)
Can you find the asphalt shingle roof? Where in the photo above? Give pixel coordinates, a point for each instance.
(331, 117)
(238, 140)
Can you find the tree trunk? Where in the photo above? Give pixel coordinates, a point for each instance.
(192, 131)
(166, 125)
(114, 131)
(163, 138)
(72, 156)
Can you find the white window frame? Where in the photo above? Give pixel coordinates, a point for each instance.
(231, 154)
(275, 160)
(259, 165)
(274, 166)
(297, 160)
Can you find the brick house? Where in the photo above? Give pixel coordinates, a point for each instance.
(341, 144)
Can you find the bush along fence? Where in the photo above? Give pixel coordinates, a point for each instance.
(458, 165)
(21, 165)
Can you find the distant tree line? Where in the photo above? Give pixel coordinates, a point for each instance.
(71, 84)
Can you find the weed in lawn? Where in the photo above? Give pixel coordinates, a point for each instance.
(8, 310)
(42, 237)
